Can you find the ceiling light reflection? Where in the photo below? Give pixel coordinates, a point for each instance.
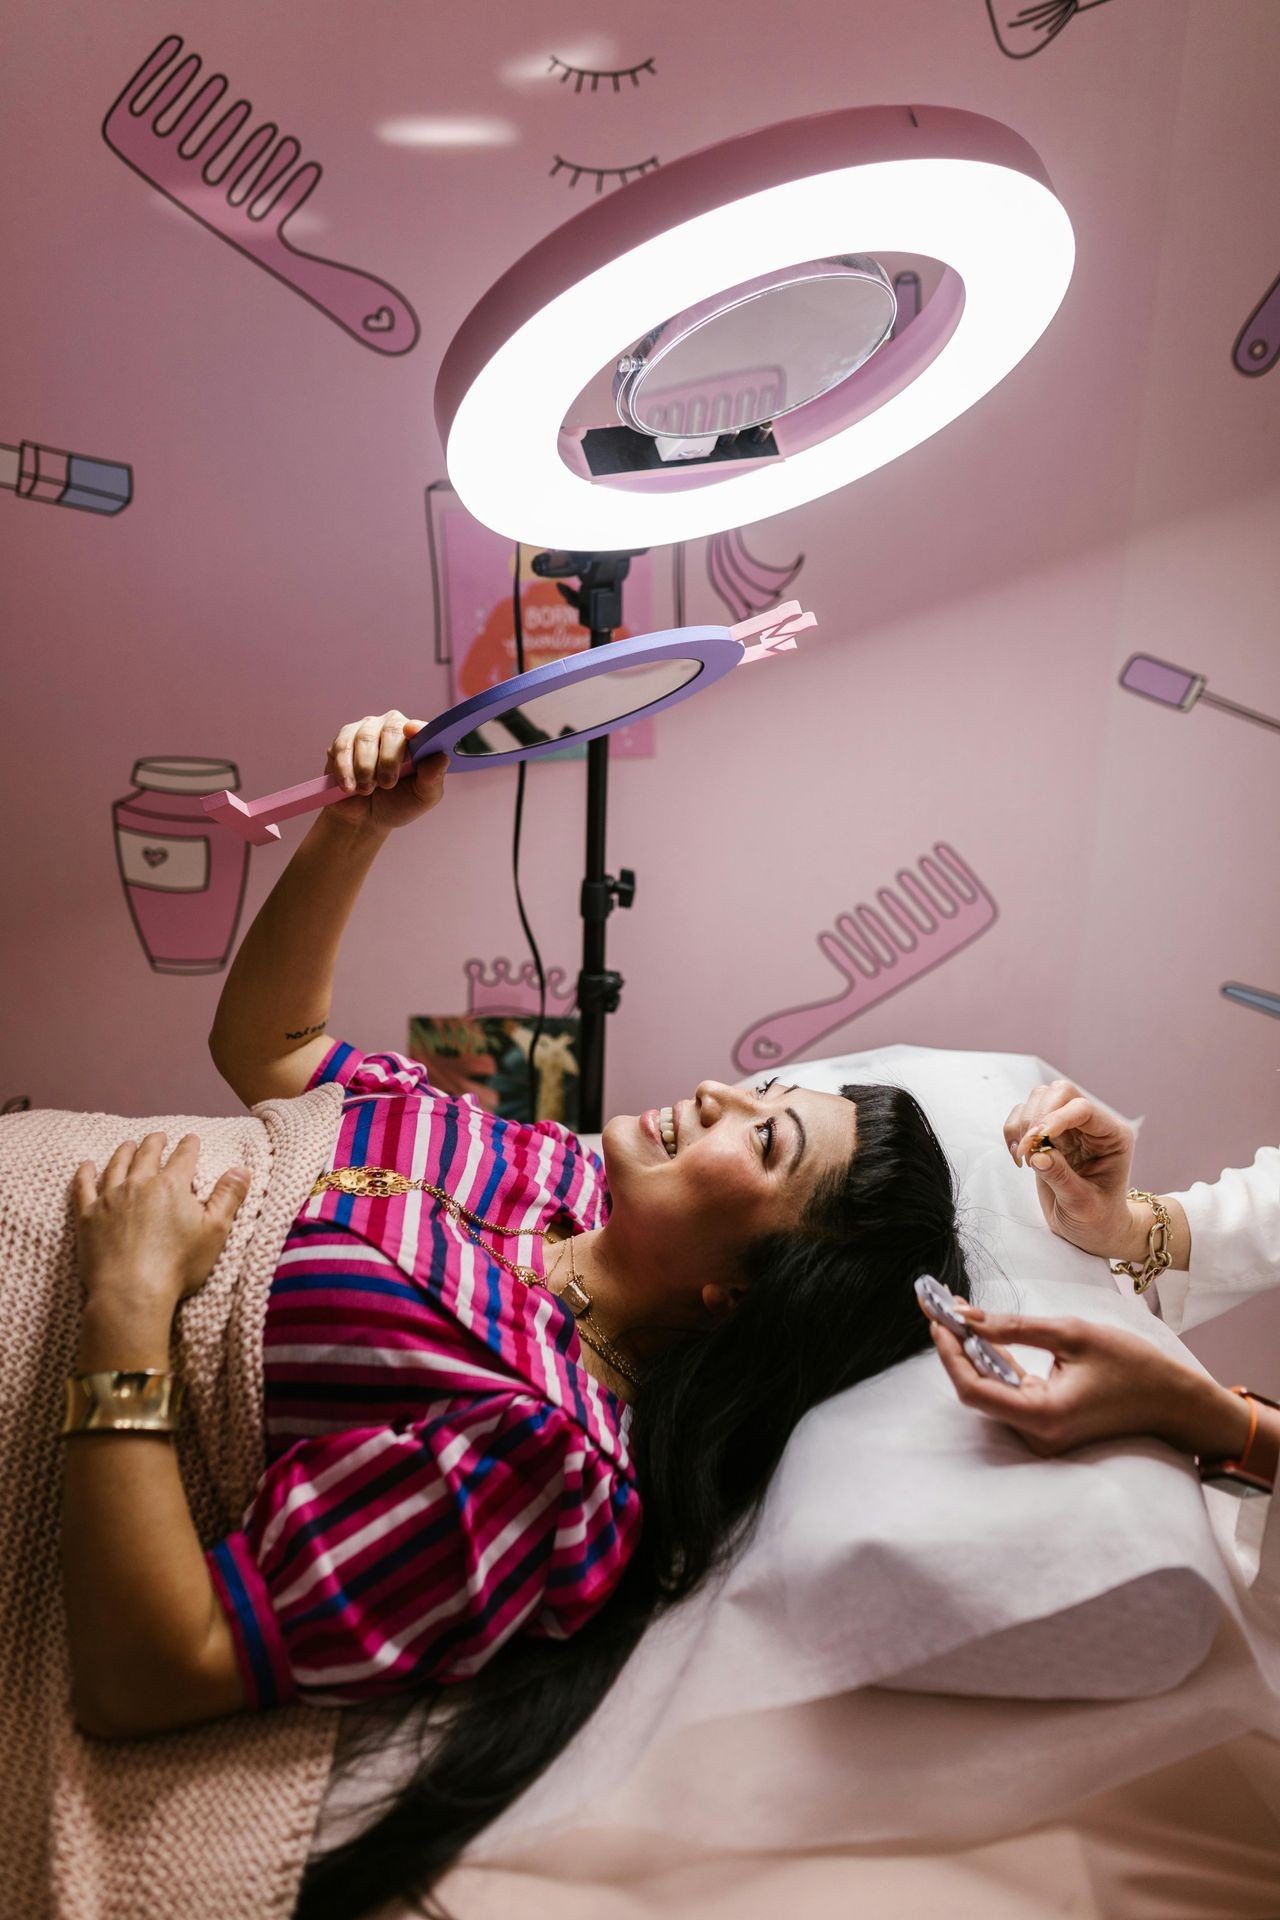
(447, 131)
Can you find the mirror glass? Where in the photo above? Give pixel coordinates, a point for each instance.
(763, 356)
(577, 707)
(757, 350)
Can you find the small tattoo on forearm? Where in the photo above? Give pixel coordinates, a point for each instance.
(305, 1033)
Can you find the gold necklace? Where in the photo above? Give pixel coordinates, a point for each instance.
(383, 1183)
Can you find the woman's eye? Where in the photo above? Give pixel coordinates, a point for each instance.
(766, 1084)
(768, 1129)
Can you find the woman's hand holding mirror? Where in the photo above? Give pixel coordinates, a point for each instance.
(368, 759)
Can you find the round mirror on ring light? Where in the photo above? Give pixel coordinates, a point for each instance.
(753, 352)
(936, 182)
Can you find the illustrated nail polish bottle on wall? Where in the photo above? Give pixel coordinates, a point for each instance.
(184, 880)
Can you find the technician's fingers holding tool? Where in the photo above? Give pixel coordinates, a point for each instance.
(1081, 1153)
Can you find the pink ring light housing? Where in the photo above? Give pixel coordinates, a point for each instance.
(935, 181)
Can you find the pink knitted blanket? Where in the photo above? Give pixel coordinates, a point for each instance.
(211, 1823)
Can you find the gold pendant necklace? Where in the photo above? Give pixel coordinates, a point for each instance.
(383, 1183)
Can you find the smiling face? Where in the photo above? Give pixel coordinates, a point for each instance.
(745, 1163)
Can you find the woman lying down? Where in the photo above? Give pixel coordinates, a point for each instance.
(517, 1400)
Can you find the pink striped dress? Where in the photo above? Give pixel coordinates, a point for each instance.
(442, 1472)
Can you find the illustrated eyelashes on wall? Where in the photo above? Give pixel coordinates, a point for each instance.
(579, 75)
(1175, 687)
(1030, 29)
(622, 174)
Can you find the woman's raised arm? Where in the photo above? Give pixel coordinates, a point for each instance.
(269, 1032)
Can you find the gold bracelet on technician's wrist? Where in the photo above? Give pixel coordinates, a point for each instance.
(146, 1401)
(1158, 1254)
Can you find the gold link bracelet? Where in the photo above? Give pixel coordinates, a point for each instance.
(1158, 1254)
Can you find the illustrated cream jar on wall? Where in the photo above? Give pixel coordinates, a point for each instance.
(184, 881)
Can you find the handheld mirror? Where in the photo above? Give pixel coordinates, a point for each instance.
(579, 697)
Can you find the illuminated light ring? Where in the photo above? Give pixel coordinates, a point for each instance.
(935, 181)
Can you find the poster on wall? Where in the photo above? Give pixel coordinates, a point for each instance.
(487, 1056)
(472, 575)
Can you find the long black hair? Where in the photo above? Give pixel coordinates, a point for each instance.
(826, 1304)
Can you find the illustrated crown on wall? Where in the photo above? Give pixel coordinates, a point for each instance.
(503, 991)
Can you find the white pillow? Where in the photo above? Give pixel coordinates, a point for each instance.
(939, 1526)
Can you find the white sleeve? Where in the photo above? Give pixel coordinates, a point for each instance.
(1235, 1243)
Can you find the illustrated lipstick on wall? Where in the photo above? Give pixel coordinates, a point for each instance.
(65, 479)
(1176, 687)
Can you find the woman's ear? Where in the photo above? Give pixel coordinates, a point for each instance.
(719, 1302)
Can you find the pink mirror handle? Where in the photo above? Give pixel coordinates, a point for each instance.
(255, 820)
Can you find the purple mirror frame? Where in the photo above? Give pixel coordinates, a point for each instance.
(716, 647)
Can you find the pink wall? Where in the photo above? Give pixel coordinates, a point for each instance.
(978, 599)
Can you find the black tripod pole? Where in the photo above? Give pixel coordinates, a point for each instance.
(598, 601)
(598, 989)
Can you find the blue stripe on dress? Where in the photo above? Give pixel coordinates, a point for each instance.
(569, 1575)
(337, 1061)
(299, 1280)
(255, 1646)
(408, 1467)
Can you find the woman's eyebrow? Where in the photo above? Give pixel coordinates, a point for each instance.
(801, 1142)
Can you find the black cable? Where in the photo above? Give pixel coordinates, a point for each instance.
(518, 624)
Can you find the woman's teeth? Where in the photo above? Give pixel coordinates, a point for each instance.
(667, 1128)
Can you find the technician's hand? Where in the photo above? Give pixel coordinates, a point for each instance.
(1107, 1383)
(1082, 1180)
(142, 1233)
(367, 757)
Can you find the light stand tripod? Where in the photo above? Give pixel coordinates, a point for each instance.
(598, 602)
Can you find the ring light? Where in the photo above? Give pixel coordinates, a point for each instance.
(936, 181)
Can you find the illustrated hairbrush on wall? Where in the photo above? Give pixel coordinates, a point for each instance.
(933, 913)
(245, 191)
